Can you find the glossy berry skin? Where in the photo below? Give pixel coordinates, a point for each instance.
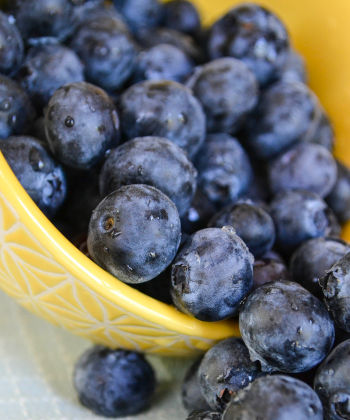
(313, 258)
(139, 14)
(81, 124)
(204, 415)
(162, 62)
(294, 69)
(332, 383)
(254, 35)
(192, 398)
(336, 290)
(152, 161)
(299, 216)
(224, 169)
(182, 16)
(227, 90)
(198, 215)
(134, 233)
(212, 274)
(107, 51)
(114, 383)
(47, 68)
(36, 170)
(164, 109)
(286, 328)
(268, 269)
(275, 397)
(16, 111)
(306, 166)
(12, 50)
(287, 112)
(251, 222)
(224, 370)
(339, 198)
(44, 18)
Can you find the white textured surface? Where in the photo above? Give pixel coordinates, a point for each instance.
(36, 364)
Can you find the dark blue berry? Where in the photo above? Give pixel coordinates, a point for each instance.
(225, 369)
(285, 327)
(306, 166)
(254, 35)
(275, 397)
(294, 69)
(36, 170)
(332, 383)
(16, 111)
(107, 51)
(81, 124)
(228, 91)
(192, 398)
(134, 233)
(162, 62)
(251, 222)
(152, 161)
(164, 109)
(336, 290)
(269, 268)
(299, 216)
(287, 112)
(224, 169)
(47, 68)
(114, 383)
(313, 258)
(182, 16)
(11, 51)
(212, 274)
(339, 198)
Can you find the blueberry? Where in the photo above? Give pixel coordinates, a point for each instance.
(96, 9)
(276, 397)
(323, 133)
(339, 198)
(47, 68)
(156, 36)
(134, 233)
(182, 16)
(140, 14)
(107, 51)
(16, 111)
(204, 415)
(287, 112)
(192, 397)
(254, 35)
(212, 274)
(225, 369)
(306, 166)
(199, 213)
(228, 91)
(114, 383)
(313, 258)
(152, 161)
(162, 62)
(285, 327)
(81, 124)
(11, 52)
(44, 18)
(36, 170)
(269, 268)
(251, 223)
(165, 109)
(224, 169)
(336, 290)
(299, 216)
(332, 383)
(294, 69)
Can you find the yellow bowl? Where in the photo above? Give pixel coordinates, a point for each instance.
(46, 274)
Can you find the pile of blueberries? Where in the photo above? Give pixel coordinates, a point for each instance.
(194, 164)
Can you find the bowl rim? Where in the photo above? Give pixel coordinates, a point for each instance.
(97, 279)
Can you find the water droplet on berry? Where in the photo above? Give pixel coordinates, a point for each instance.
(12, 119)
(69, 122)
(11, 19)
